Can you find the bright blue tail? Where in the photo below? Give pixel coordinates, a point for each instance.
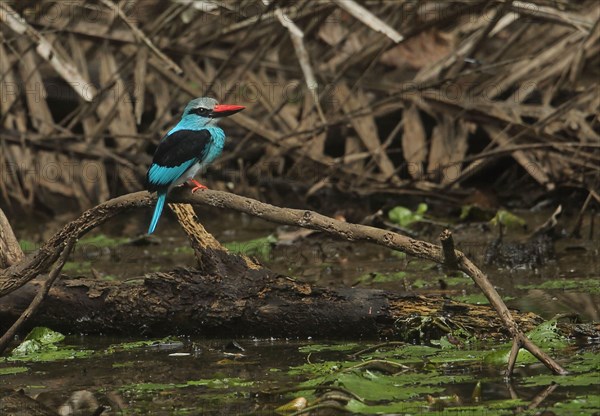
(160, 203)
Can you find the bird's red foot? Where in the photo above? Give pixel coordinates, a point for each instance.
(197, 185)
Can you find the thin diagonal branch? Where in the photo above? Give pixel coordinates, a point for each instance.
(39, 297)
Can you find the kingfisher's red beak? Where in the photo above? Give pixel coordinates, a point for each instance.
(224, 110)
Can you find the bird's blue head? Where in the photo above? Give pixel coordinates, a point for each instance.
(206, 111)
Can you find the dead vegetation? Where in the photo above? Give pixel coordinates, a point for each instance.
(385, 96)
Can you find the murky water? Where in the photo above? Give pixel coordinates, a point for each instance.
(199, 376)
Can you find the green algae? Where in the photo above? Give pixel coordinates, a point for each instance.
(259, 247)
(41, 345)
(591, 286)
(328, 347)
(429, 372)
(13, 370)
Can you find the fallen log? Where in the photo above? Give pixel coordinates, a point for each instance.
(251, 302)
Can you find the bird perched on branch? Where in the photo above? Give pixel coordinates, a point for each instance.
(194, 143)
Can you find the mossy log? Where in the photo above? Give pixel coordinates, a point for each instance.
(248, 302)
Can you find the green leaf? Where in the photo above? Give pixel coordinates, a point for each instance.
(508, 219)
(378, 387)
(584, 405)
(216, 383)
(421, 208)
(546, 335)
(27, 347)
(39, 339)
(500, 357)
(462, 280)
(44, 336)
(404, 216)
(465, 211)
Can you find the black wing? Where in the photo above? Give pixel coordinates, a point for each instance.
(174, 155)
(181, 146)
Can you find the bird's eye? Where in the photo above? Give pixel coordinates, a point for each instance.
(200, 111)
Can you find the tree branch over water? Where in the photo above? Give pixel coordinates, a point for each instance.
(18, 275)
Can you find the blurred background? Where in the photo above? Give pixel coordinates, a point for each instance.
(456, 101)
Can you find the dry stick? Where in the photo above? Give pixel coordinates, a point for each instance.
(234, 51)
(369, 19)
(39, 297)
(474, 46)
(458, 260)
(93, 217)
(490, 292)
(551, 14)
(447, 241)
(576, 228)
(10, 250)
(376, 347)
(512, 357)
(65, 68)
(141, 36)
(297, 37)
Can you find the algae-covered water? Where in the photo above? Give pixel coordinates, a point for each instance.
(180, 375)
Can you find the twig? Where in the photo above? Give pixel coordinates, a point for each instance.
(512, 357)
(64, 67)
(450, 260)
(141, 36)
(369, 19)
(39, 297)
(141, 66)
(10, 250)
(376, 347)
(548, 225)
(477, 41)
(537, 11)
(577, 227)
(375, 362)
(318, 407)
(298, 41)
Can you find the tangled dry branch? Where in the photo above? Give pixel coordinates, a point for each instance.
(403, 95)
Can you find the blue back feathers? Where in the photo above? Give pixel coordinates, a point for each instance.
(165, 175)
(194, 140)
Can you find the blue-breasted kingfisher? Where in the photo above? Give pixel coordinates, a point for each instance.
(189, 147)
